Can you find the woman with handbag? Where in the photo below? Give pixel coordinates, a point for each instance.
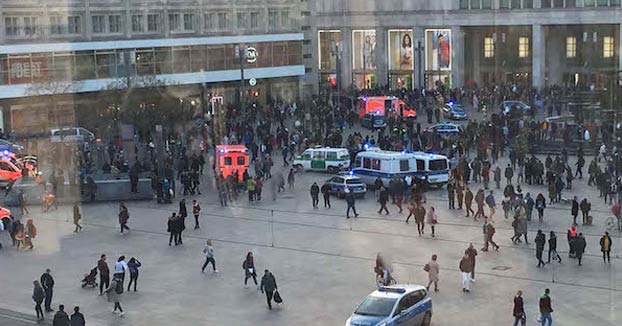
(249, 268)
(432, 219)
(432, 269)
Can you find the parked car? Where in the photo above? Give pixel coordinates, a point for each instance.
(454, 111)
(373, 121)
(394, 305)
(445, 128)
(337, 185)
(6, 145)
(506, 106)
(72, 134)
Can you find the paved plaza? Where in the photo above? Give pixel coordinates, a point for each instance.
(321, 260)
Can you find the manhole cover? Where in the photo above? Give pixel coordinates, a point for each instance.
(501, 268)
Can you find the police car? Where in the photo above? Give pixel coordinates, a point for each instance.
(395, 305)
(447, 128)
(337, 185)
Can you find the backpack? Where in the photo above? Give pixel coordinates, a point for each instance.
(119, 287)
(244, 264)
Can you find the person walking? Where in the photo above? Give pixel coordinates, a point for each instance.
(579, 247)
(351, 202)
(509, 173)
(196, 211)
(124, 216)
(432, 219)
(489, 233)
(251, 184)
(249, 268)
(459, 193)
(114, 292)
(326, 194)
(21, 200)
(383, 199)
(466, 267)
(315, 193)
(38, 295)
(77, 318)
(291, 178)
(30, 232)
(133, 265)
(540, 241)
(420, 219)
(519, 310)
(545, 308)
(209, 256)
(180, 222)
(605, 247)
(496, 176)
(479, 200)
(490, 201)
(472, 252)
(76, 218)
(574, 210)
(585, 207)
(104, 274)
(468, 202)
(553, 248)
(47, 282)
(61, 318)
(268, 286)
(451, 194)
(433, 269)
(540, 206)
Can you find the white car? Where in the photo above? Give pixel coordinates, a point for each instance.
(328, 159)
(72, 134)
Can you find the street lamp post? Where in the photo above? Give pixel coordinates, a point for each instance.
(240, 54)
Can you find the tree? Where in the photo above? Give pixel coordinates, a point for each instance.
(52, 89)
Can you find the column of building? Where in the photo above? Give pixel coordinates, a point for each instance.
(457, 56)
(381, 56)
(419, 56)
(538, 56)
(346, 58)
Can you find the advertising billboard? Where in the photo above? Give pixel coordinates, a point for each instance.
(438, 49)
(364, 49)
(401, 50)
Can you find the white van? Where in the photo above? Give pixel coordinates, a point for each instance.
(72, 134)
(375, 163)
(323, 159)
(434, 166)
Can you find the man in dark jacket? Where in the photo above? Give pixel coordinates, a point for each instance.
(579, 247)
(350, 200)
(326, 193)
(574, 210)
(61, 318)
(104, 274)
(546, 308)
(268, 285)
(509, 173)
(540, 242)
(47, 282)
(519, 310)
(315, 192)
(384, 198)
(77, 319)
(585, 207)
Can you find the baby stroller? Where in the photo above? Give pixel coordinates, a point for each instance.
(89, 279)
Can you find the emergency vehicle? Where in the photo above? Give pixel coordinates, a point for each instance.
(231, 158)
(9, 173)
(385, 106)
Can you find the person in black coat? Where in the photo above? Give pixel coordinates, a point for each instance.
(383, 199)
(77, 319)
(574, 210)
(315, 191)
(326, 192)
(540, 241)
(37, 296)
(181, 222)
(61, 318)
(47, 282)
(268, 285)
(579, 247)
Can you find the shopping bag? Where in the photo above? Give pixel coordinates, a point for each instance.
(277, 297)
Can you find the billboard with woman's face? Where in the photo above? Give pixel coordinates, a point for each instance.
(437, 49)
(364, 49)
(401, 50)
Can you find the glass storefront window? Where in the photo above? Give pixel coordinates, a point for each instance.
(181, 59)
(328, 41)
(216, 57)
(198, 58)
(163, 61)
(364, 50)
(294, 50)
(106, 64)
(85, 65)
(279, 54)
(145, 62)
(63, 66)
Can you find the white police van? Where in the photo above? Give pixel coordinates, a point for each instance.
(374, 163)
(323, 159)
(395, 305)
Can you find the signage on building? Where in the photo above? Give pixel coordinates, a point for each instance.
(251, 54)
(25, 71)
(252, 81)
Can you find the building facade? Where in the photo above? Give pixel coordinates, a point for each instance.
(418, 43)
(72, 49)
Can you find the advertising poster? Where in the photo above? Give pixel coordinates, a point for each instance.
(438, 49)
(328, 40)
(401, 50)
(364, 49)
